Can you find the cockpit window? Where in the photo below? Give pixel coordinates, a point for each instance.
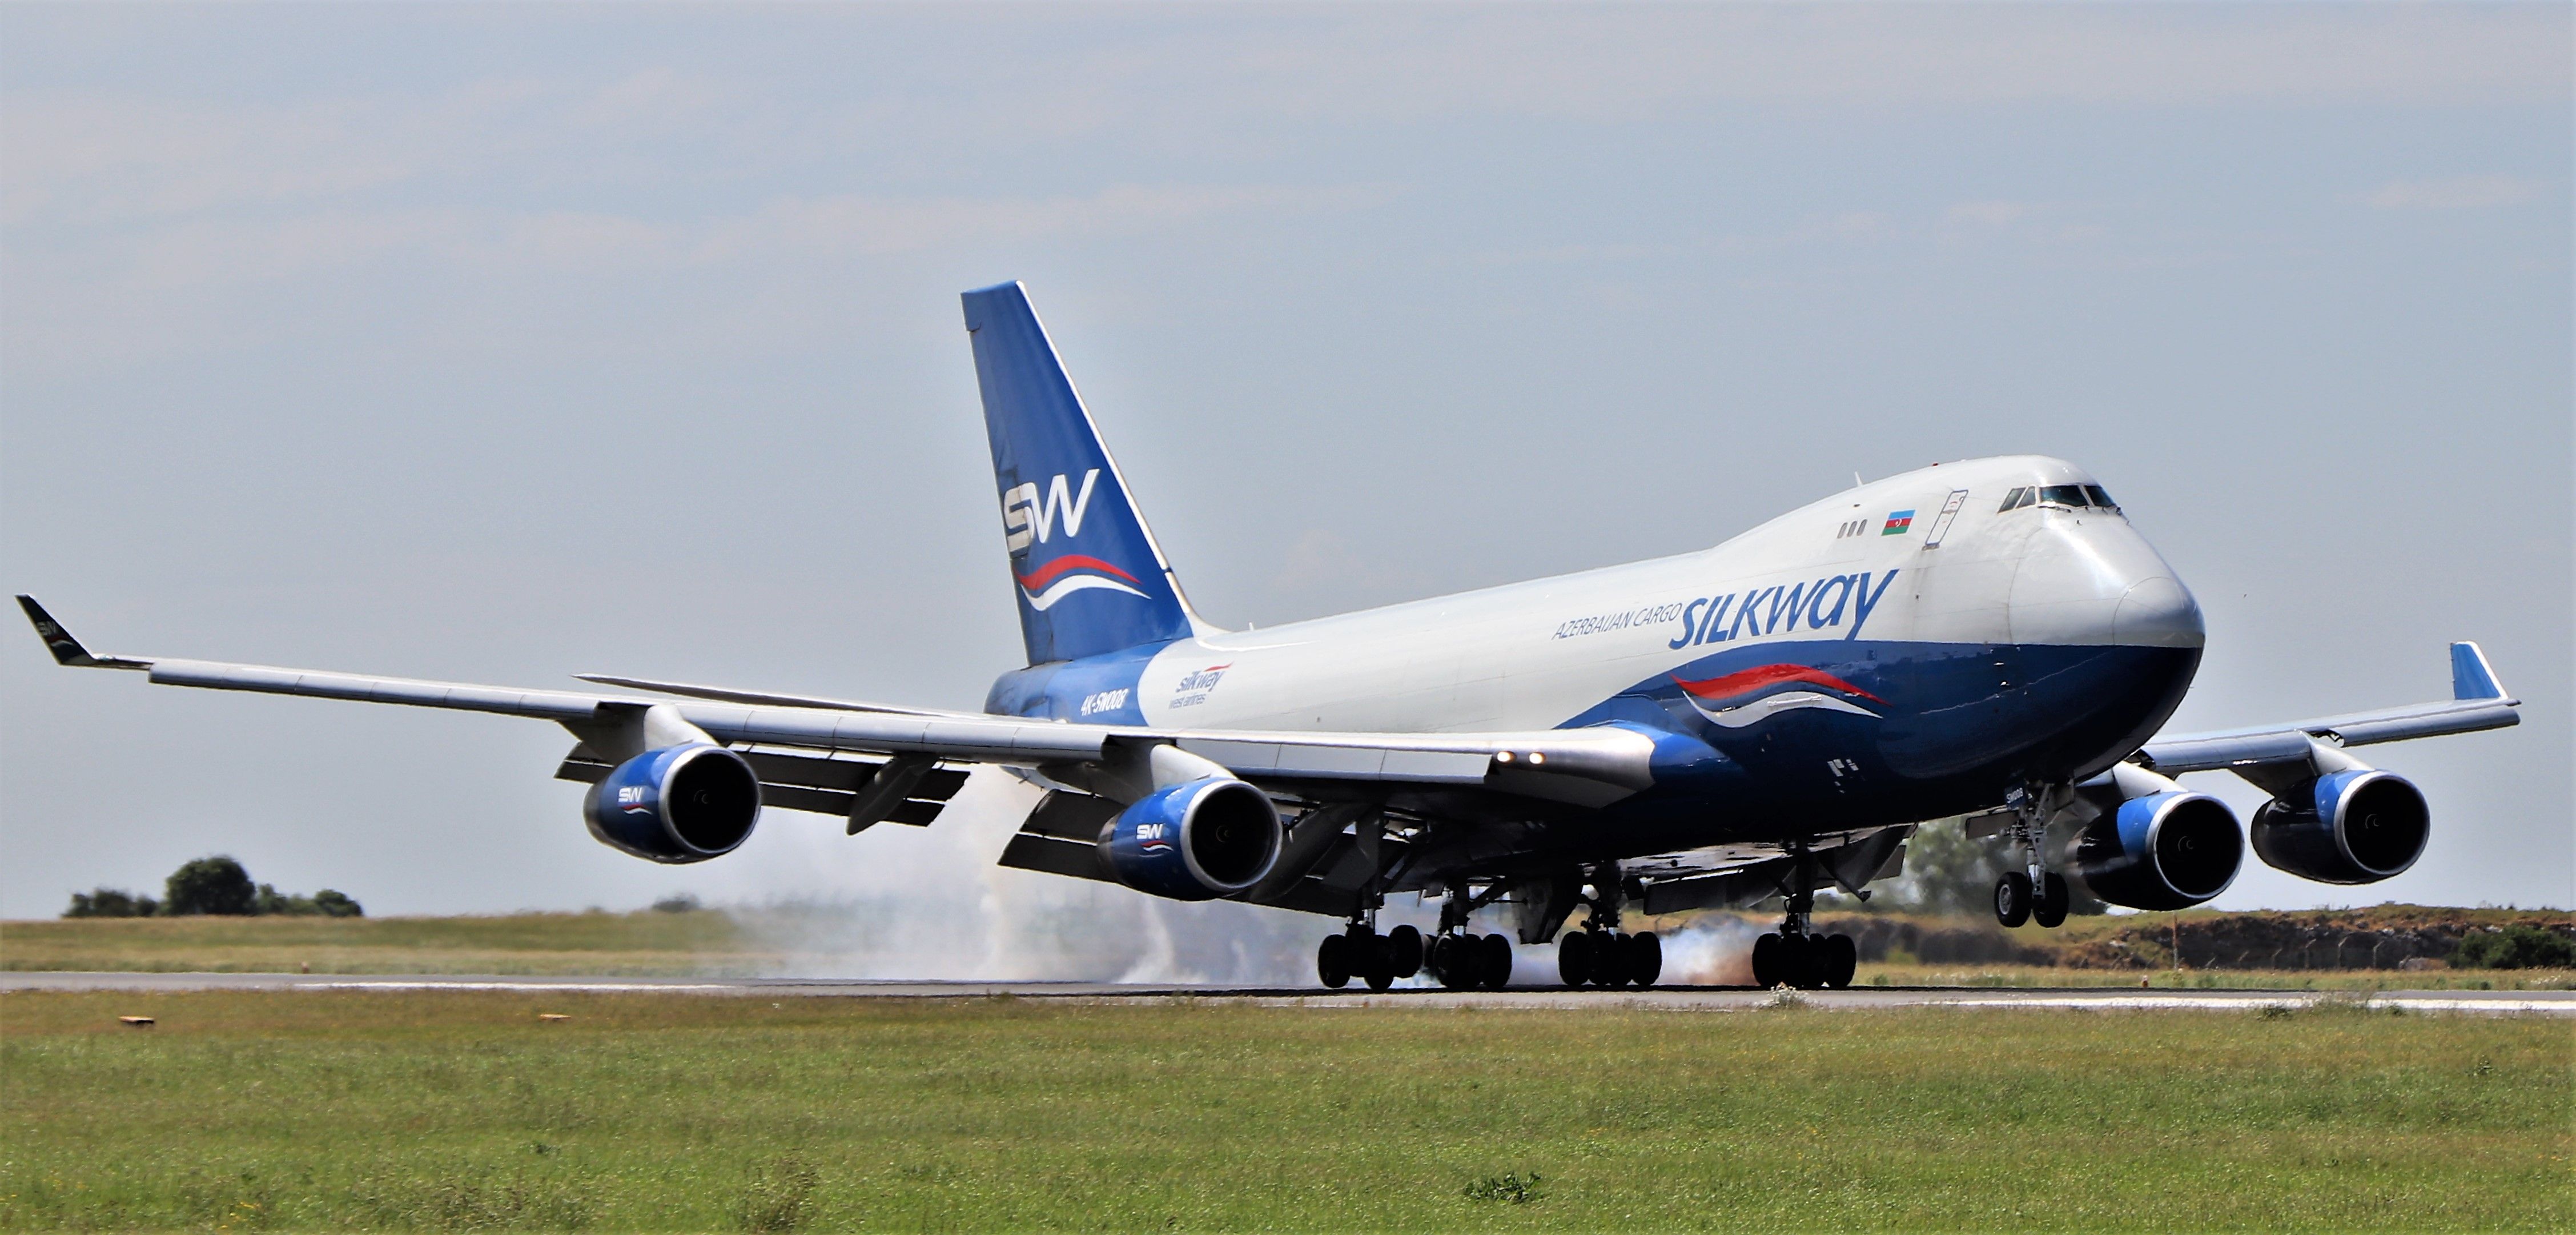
(2079, 497)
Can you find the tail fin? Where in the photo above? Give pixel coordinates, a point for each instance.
(1089, 575)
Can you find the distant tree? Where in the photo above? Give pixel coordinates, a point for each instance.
(111, 903)
(677, 902)
(215, 885)
(2520, 946)
(1948, 872)
(332, 904)
(269, 902)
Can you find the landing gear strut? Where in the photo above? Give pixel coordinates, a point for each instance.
(2035, 893)
(1599, 955)
(1796, 956)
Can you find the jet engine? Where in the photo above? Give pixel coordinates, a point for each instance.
(678, 804)
(2169, 849)
(1194, 841)
(2360, 825)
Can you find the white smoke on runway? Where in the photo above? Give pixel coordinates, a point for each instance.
(1714, 950)
(901, 902)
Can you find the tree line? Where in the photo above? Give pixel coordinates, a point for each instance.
(216, 885)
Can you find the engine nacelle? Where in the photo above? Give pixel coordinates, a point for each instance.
(678, 804)
(2356, 826)
(1196, 841)
(2168, 850)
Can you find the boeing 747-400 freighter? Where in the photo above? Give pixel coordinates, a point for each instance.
(1771, 717)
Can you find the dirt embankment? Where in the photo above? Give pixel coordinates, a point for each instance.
(2385, 937)
(2399, 937)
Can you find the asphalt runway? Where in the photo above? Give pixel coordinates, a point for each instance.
(1676, 999)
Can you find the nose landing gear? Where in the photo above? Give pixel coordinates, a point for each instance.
(2036, 893)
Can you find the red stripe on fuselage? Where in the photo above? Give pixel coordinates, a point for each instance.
(1751, 680)
(1036, 580)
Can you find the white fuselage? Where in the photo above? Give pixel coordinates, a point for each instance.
(1537, 654)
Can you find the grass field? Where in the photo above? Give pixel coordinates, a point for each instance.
(464, 1111)
(615, 944)
(743, 943)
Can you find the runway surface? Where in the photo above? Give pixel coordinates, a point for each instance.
(1677, 999)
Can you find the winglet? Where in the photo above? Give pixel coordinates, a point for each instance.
(2471, 676)
(68, 650)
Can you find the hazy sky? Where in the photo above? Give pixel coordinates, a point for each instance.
(501, 343)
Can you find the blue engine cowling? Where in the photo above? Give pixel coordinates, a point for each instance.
(1194, 841)
(2162, 851)
(2358, 826)
(677, 804)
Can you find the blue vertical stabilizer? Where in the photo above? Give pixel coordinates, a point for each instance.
(1089, 576)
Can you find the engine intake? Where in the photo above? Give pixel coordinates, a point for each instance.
(2168, 850)
(1194, 841)
(2357, 826)
(677, 804)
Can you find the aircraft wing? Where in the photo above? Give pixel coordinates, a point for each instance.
(1585, 766)
(2478, 702)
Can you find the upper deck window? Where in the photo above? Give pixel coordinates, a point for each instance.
(2101, 497)
(2015, 500)
(2064, 495)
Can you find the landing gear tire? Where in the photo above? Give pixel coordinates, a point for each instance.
(1495, 965)
(1447, 963)
(1405, 945)
(1806, 968)
(2050, 908)
(1609, 957)
(1645, 958)
(1766, 961)
(1333, 961)
(1378, 954)
(2012, 898)
(1841, 957)
(1574, 957)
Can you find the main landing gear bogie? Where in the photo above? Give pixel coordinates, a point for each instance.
(1609, 958)
(1808, 962)
(1376, 959)
(1467, 962)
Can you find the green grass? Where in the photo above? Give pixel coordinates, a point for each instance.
(620, 944)
(462, 1110)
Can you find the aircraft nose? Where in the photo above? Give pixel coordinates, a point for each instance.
(2096, 581)
(2157, 612)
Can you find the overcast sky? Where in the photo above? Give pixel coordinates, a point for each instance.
(502, 343)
